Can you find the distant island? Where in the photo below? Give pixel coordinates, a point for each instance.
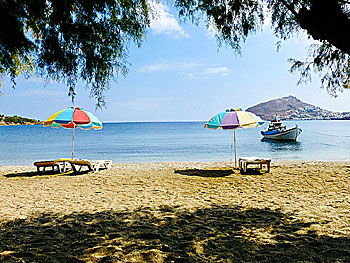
(291, 108)
(17, 120)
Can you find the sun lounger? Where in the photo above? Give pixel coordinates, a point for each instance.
(93, 166)
(103, 164)
(245, 161)
(60, 164)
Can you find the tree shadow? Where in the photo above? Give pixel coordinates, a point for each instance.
(205, 173)
(169, 234)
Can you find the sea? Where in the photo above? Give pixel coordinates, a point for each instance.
(149, 142)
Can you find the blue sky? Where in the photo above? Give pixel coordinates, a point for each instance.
(179, 73)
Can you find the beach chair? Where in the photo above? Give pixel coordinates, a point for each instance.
(104, 164)
(243, 163)
(60, 164)
(93, 166)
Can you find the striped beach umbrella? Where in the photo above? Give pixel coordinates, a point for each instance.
(72, 118)
(233, 119)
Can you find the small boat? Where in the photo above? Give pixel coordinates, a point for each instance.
(277, 131)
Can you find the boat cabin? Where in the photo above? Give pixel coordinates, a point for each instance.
(276, 125)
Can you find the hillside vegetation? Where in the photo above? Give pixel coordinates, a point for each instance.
(17, 120)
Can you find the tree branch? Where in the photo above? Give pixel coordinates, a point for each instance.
(324, 20)
(289, 7)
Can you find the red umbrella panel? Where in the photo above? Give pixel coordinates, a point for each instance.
(73, 118)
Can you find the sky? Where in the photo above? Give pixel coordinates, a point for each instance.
(180, 74)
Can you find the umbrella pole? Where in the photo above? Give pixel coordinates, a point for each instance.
(234, 141)
(73, 142)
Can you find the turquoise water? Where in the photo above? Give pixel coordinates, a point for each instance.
(170, 141)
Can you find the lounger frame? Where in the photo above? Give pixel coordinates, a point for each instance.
(244, 162)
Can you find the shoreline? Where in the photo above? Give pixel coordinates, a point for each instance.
(226, 163)
(19, 124)
(178, 211)
(13, 169)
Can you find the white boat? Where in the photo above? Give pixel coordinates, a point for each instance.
(277, 131)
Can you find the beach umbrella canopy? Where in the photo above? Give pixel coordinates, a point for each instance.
(72, 118)
(233, 119)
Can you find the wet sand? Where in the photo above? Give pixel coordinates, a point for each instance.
(177, 212)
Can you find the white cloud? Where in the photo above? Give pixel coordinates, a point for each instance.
(159, 67)
(189, 65)
(223, 71)
(187, 69)
(162, 22)
(205, 72)
(188, 74)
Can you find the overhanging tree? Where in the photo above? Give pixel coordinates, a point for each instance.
(327, 21)
(67, 40)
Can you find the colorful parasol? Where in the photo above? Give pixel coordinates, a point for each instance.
(233, 119)
(73, 118)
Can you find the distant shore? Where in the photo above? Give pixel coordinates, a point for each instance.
(177, 211)
(309, 119)
(19, 124)
(17, 120)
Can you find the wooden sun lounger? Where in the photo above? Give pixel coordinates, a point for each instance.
(60, 164)
(245, 161)
(93, 166)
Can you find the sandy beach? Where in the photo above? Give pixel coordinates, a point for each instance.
(177, 212)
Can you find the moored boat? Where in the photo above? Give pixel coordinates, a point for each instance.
(276, 131)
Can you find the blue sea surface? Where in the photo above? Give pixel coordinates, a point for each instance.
(171, 141)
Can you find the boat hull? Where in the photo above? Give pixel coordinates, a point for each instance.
(287, 135)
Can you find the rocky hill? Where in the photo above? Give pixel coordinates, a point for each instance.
(291, 108)
(17, 120)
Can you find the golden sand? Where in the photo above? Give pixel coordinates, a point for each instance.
(177, 212)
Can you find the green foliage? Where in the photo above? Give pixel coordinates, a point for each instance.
(234, 20)
(333, 65)
(327, 21)
(16, 119)
(66, 40)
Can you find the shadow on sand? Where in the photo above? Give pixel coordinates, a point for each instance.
(254, 171)
(46, 173)
(219, 173)
(205, 173)
(169, 234)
